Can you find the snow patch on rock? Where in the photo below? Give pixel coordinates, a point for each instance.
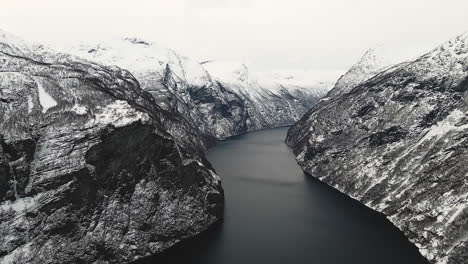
(22, 253)
(45, 99)
(79, 109)
(447, 125)
(30, 104)
(20, 204)
(119, 114)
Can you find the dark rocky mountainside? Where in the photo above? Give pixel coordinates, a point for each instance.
(398, 143)
(92, 170)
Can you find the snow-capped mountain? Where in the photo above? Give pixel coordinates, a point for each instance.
(398, 143)
(318, 82)
(271, 101)
(178, 84)
(373, 61)
(219, 106)
(83, 149)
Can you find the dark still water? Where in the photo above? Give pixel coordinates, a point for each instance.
(276, 214)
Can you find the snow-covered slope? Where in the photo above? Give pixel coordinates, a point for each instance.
(220, 107)
(271, 99)
(373, 61)
(318, 82)
(92, 170)
(177, 83)
(398, 143)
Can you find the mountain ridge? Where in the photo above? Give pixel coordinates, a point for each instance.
(218, 107)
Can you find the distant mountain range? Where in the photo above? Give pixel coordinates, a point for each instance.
(220, 101)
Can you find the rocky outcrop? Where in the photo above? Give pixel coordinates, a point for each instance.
(398, 143)
(92, 170)
(217, 107)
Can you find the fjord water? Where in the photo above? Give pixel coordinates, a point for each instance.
(276, 214)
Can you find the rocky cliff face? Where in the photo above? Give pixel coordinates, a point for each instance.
(398, 143)
(92, 170)
(217, 107)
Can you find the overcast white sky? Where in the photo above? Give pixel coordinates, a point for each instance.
(266, 34)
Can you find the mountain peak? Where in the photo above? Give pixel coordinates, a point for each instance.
(242, 72)
(232, 72)
(456, 47)
(372, 62)
(142, 58)
(137, 41)
(374, 58)
(13, 41)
